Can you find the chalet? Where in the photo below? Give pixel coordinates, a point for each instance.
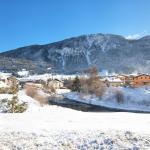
(113, 81)
(57, 84)
(126, 79)
(141, 80)
(7, 83)
(11, 81)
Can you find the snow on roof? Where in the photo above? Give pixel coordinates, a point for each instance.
(113, 79)
(4, 75)
(3, 85)
(23, 73)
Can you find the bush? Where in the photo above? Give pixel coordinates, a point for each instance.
(119, 96)
(15, 107)
(31, 90)
(34, 93)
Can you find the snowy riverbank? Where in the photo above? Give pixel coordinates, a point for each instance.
(133, 99)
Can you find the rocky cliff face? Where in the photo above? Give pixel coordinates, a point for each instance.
(105, 51)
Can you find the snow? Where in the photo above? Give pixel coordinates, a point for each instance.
(87, 55)
(4, 75)
(134, 99)
(4, 96)
(113, 79)
(58, 118)
(3, 84)
(74, 140)
(49, 118)
(53, 117)
(48, 76)
(53, 127)
(23, 73)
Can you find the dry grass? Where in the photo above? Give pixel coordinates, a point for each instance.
(34, 93)
(31, 90)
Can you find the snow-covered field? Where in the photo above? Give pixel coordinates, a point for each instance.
(73, 140)
(52, 127)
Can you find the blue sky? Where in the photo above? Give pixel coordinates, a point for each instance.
(27, 22)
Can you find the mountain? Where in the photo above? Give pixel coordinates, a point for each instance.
(105, 51)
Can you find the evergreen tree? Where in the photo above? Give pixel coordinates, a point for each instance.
(76, 85)
(15, 106)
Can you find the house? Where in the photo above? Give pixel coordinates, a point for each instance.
(4, 88)
(113, 81)
(126, 79)
(57, 84)
(6, 84)
(11, 81)
(8, 80)
(141, 80)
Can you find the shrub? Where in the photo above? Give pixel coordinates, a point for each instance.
(34, 93)
(31, 90)
(119, 96)
(15, 107)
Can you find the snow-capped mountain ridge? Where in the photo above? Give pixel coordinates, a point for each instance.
(106, 51)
